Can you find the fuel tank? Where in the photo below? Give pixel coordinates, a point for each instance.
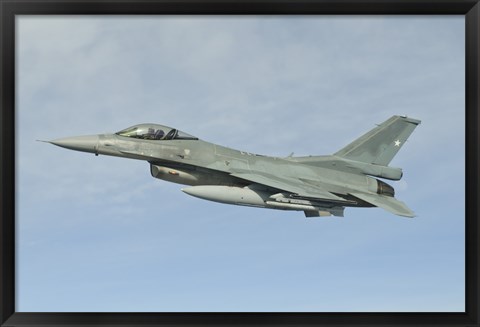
(252, 197)
(229, 195)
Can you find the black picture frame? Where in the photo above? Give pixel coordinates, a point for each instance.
(10, 8)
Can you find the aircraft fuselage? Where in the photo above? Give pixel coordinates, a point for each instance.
(317, 185)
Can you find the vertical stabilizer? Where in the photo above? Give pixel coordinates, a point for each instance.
(382, 143)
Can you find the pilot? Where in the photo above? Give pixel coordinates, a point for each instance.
(149, 135)
(158, 134)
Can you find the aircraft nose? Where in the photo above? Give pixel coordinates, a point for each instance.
(87, 143)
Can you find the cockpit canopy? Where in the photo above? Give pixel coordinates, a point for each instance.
(155, 132)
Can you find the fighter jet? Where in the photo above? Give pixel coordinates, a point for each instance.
(317, 185)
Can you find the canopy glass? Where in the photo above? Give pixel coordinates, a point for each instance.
(155, 132)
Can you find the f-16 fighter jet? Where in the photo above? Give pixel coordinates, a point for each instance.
(317, 185)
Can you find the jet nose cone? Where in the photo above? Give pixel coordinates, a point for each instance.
(88, 143)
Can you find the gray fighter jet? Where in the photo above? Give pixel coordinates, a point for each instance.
(317, 185)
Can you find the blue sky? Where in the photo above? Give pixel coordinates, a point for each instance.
(101, 234)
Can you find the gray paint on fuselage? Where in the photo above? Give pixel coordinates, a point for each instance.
(196, 153)
(324, 183)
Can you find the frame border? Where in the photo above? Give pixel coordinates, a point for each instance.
(10, 8)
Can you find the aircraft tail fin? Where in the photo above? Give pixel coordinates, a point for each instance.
(382, 143)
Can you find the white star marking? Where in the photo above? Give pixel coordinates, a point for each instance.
(397, 143)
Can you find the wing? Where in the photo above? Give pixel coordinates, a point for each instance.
(388, 203)
(299, 189)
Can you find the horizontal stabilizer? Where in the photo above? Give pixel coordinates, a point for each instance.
(386, 202)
